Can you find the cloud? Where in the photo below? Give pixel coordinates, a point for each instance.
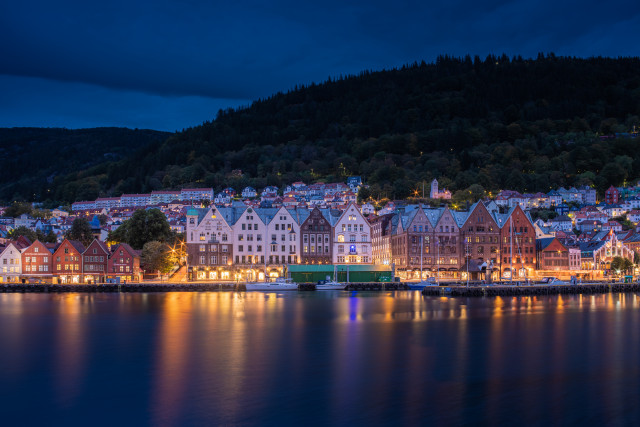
(35, 102)
(251, 49)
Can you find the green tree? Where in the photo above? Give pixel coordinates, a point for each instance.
(143, 226)
(17, 209)
(363, 194)
(23, 231)
(80, 230)
(620, 264)
(156, 256)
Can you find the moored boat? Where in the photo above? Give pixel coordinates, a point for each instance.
(280, 284)
(330, 285)
(430, 282)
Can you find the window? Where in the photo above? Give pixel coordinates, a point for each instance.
(240, 248)
(340, 249)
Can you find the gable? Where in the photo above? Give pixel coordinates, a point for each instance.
(447, 220)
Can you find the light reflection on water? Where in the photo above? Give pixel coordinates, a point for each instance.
(323, 357)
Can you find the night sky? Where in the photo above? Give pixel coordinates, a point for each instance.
(168, 65)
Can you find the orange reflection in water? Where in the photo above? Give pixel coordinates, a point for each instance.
(171, 357)
(70, 337)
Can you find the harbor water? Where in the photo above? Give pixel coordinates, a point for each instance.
(318, 358)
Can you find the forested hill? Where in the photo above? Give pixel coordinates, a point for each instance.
(499, 122)
(34, 158)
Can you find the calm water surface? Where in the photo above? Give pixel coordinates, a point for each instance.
(318, 358)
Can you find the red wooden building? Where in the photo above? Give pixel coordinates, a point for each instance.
(124, 263)
(37, 263)
(95, 262)
(67, 263)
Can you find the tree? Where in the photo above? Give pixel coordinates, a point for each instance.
(143, 226)
(80, 230)
(620, 264)
(17, 209)
(23, 231)
(363, 194)
(156, 257)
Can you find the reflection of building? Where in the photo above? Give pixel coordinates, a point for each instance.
(436, 194)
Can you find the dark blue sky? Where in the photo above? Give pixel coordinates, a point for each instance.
(168, 65)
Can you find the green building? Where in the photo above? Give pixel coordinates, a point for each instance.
(356, 273)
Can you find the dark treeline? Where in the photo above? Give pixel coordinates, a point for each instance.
(35, 161)
(499, 122)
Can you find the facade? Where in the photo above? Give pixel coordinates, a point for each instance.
(124, 264)
(163, 196)
(249, 247)
(196, 194)
(552, 256)
(597, 254)
(37, 263)
(11, 263)
(438, 194)
(481, 235)
(352, 238)
(517, 245)
(95, 262)
(209, 240)
(612, 195)
(67, 263)
(316, 235)
(283, 234)
(381, 230)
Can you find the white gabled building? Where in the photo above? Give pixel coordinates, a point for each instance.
(209, 237)
(248, 239)
(11, 264)
(222, 199)
(283, 237)
(352, 238)
(249, 192)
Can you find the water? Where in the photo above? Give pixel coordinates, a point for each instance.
(318, 358)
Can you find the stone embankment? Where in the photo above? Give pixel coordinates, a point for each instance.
(530, 290)
(174, 287)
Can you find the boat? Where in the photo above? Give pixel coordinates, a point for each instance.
(553, 281)
(330, 285)
(280, 284)
(430, 282)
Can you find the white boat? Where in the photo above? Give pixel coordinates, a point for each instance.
(280, 284)
(330, 285)
(430, 282)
